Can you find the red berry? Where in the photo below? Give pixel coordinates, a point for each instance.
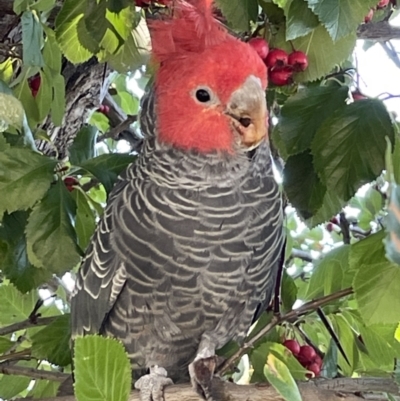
(334, 220)
(34, 84)
(358, 96)
(383, 3)
(35, 81)
(315, 368)
(142, 3)
(293, 346)
(277, 58)
(318, 360)
(104, 109)
(69, 181)
(307, 353)
(260, 45)
(298, 60)
(369, 16)
(281, 77)
(329, 227)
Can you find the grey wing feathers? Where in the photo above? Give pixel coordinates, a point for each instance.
(100, 279)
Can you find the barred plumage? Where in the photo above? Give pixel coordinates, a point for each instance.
(188, 246)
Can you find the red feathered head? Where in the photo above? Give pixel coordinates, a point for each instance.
(209, 86)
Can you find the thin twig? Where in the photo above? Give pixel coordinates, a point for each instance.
(391, 52)
(25, 324)
(306, 308)
(33, 373)
(345, 227)
(114, 132)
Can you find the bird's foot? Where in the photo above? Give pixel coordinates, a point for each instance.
(201, 373)
(152, 385)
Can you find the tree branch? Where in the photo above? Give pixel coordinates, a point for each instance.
(295, 313)
(314, 390)
(12, 328)
(33, 373)
(380, 31)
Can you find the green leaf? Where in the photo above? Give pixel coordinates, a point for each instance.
(300, 20)
(58, 105)
(239, 13)
(342, 160)
(85, 222)
(369, 205)
(11, 111)
(14, 261)
(32, 37)
(5, 344)
(83, 147)
(115, 6)
(341, 17)
(132, 54)
(288, 292)
(52, 342)
(23, 172)
(51, 52)
(3, 143)
(23, 92)
(42, 5)
(368, 251)
(302, 185)
(67, 36)
(95, 20)
(45, 93)
(279, 376)
(330, 365)
(396, 160)
(98, 362)
(327, 275)
(44, 389)
(50, 233)
(20, 5)
(347, 340)
(11, 385)
(393, 226)
(374, 288)
(107, 167)
(378, 346)
(128, 103)
(14, 306)
(303, 113)
(284, 355)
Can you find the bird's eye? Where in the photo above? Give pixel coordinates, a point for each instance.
(245, 121)
(203, 95)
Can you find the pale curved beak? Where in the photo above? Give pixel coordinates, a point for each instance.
(247, 109)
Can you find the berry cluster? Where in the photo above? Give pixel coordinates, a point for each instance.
(306, 355)
(281, 65)
(103, 109)
(379, 6)
(70, 183)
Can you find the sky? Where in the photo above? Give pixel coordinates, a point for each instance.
(378, 72)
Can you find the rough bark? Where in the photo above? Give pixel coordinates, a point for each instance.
(318, 390)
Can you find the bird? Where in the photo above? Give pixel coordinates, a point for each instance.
(187, 250)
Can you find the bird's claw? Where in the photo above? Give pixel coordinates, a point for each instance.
(152, 385)
(201, 373)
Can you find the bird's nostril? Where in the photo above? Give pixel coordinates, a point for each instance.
(245, 121)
